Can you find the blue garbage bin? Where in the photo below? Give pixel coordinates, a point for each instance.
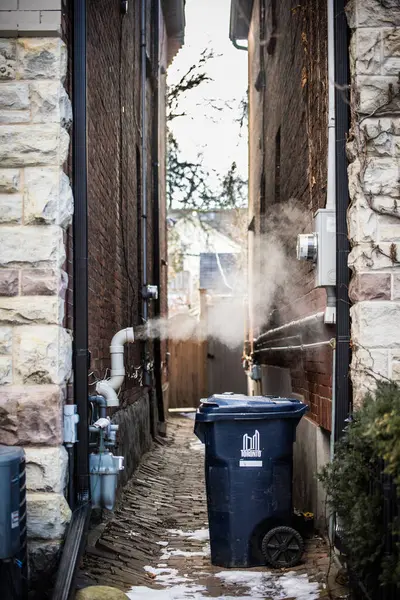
(248, 465)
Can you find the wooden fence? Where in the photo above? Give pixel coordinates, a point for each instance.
(187, 373)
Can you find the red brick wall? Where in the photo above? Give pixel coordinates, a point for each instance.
(289, 67)
(114, 182)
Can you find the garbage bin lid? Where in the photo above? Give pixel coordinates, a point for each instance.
(238, 406)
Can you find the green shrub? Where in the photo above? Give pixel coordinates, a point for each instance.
(354, 487)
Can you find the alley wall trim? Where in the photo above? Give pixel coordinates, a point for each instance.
(373, 216)
(36, 207)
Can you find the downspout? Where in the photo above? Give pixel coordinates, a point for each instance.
(156, 206)
(342, 381)
(331, 174)
(145, 296)
(75, 537)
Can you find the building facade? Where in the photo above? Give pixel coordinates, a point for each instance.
(323, 119)
(114, 121)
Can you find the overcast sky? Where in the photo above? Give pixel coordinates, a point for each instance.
(212, 132)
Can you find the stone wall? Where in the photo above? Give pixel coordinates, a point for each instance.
(373, 216)
(35, 208)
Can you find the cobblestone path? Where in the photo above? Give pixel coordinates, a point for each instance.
(155, 545)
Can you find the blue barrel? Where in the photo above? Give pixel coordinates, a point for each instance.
(248, 464)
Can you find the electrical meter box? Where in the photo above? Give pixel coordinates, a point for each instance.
(12, 500)
(325, 228)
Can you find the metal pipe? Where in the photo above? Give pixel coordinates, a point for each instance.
(293, 324)
(145, 297)
(143, 44)
(80, 226)
(156, 210)
(75, 537)
(331, 175)
(343, 390)
(239, 46)
(298, 347)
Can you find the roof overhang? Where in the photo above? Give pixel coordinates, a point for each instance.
(174, 17)
(240, 19)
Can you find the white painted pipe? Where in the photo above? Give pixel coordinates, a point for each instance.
(108, 387)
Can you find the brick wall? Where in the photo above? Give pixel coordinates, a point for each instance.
(114, 183)
(114, 202)
(288, 157)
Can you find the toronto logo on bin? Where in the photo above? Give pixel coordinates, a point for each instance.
(251, 450)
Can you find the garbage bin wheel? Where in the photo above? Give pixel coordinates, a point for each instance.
(282, 547)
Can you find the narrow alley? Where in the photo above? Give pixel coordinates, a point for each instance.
(155, 545)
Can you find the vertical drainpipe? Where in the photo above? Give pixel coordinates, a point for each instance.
(74, 541)
(156, 204)
(145, 300)
(80, 255)
(343, 355)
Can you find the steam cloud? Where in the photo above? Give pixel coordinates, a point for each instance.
(275, 280)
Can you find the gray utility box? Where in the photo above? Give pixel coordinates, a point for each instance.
(12, 500)
(325, 228)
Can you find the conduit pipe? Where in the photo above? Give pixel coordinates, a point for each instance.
(109, 387)
(300, 347)
(306, 321)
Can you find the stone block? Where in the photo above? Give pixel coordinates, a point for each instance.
(370, 286)
(377, 95)
(50, 22)
(14, 117)
(376, 324)
(9, 180)
(367, 366)
(362, 222)
(50, 103)
(374, 13)
(9, 23)
(31, 415)
(369, 257)
(381, 177)
(40, 4)
(31, 246)
(46, 469)
(391, 51)
(42, 556)
(42, 282)
(365, 51)
(42, 58)
(45, 144)
(14, 96)
(396, 287)
(47, 197)
(9, 282)
(389, 229)
(396, 371)
(42, 354)
(9, 4)
(23, 310)
(10, 208)
(8, 59)
(5, 340)
(48, 515)
(5, 370)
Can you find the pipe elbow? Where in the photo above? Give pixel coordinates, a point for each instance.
(104, 389)
(120, 338)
